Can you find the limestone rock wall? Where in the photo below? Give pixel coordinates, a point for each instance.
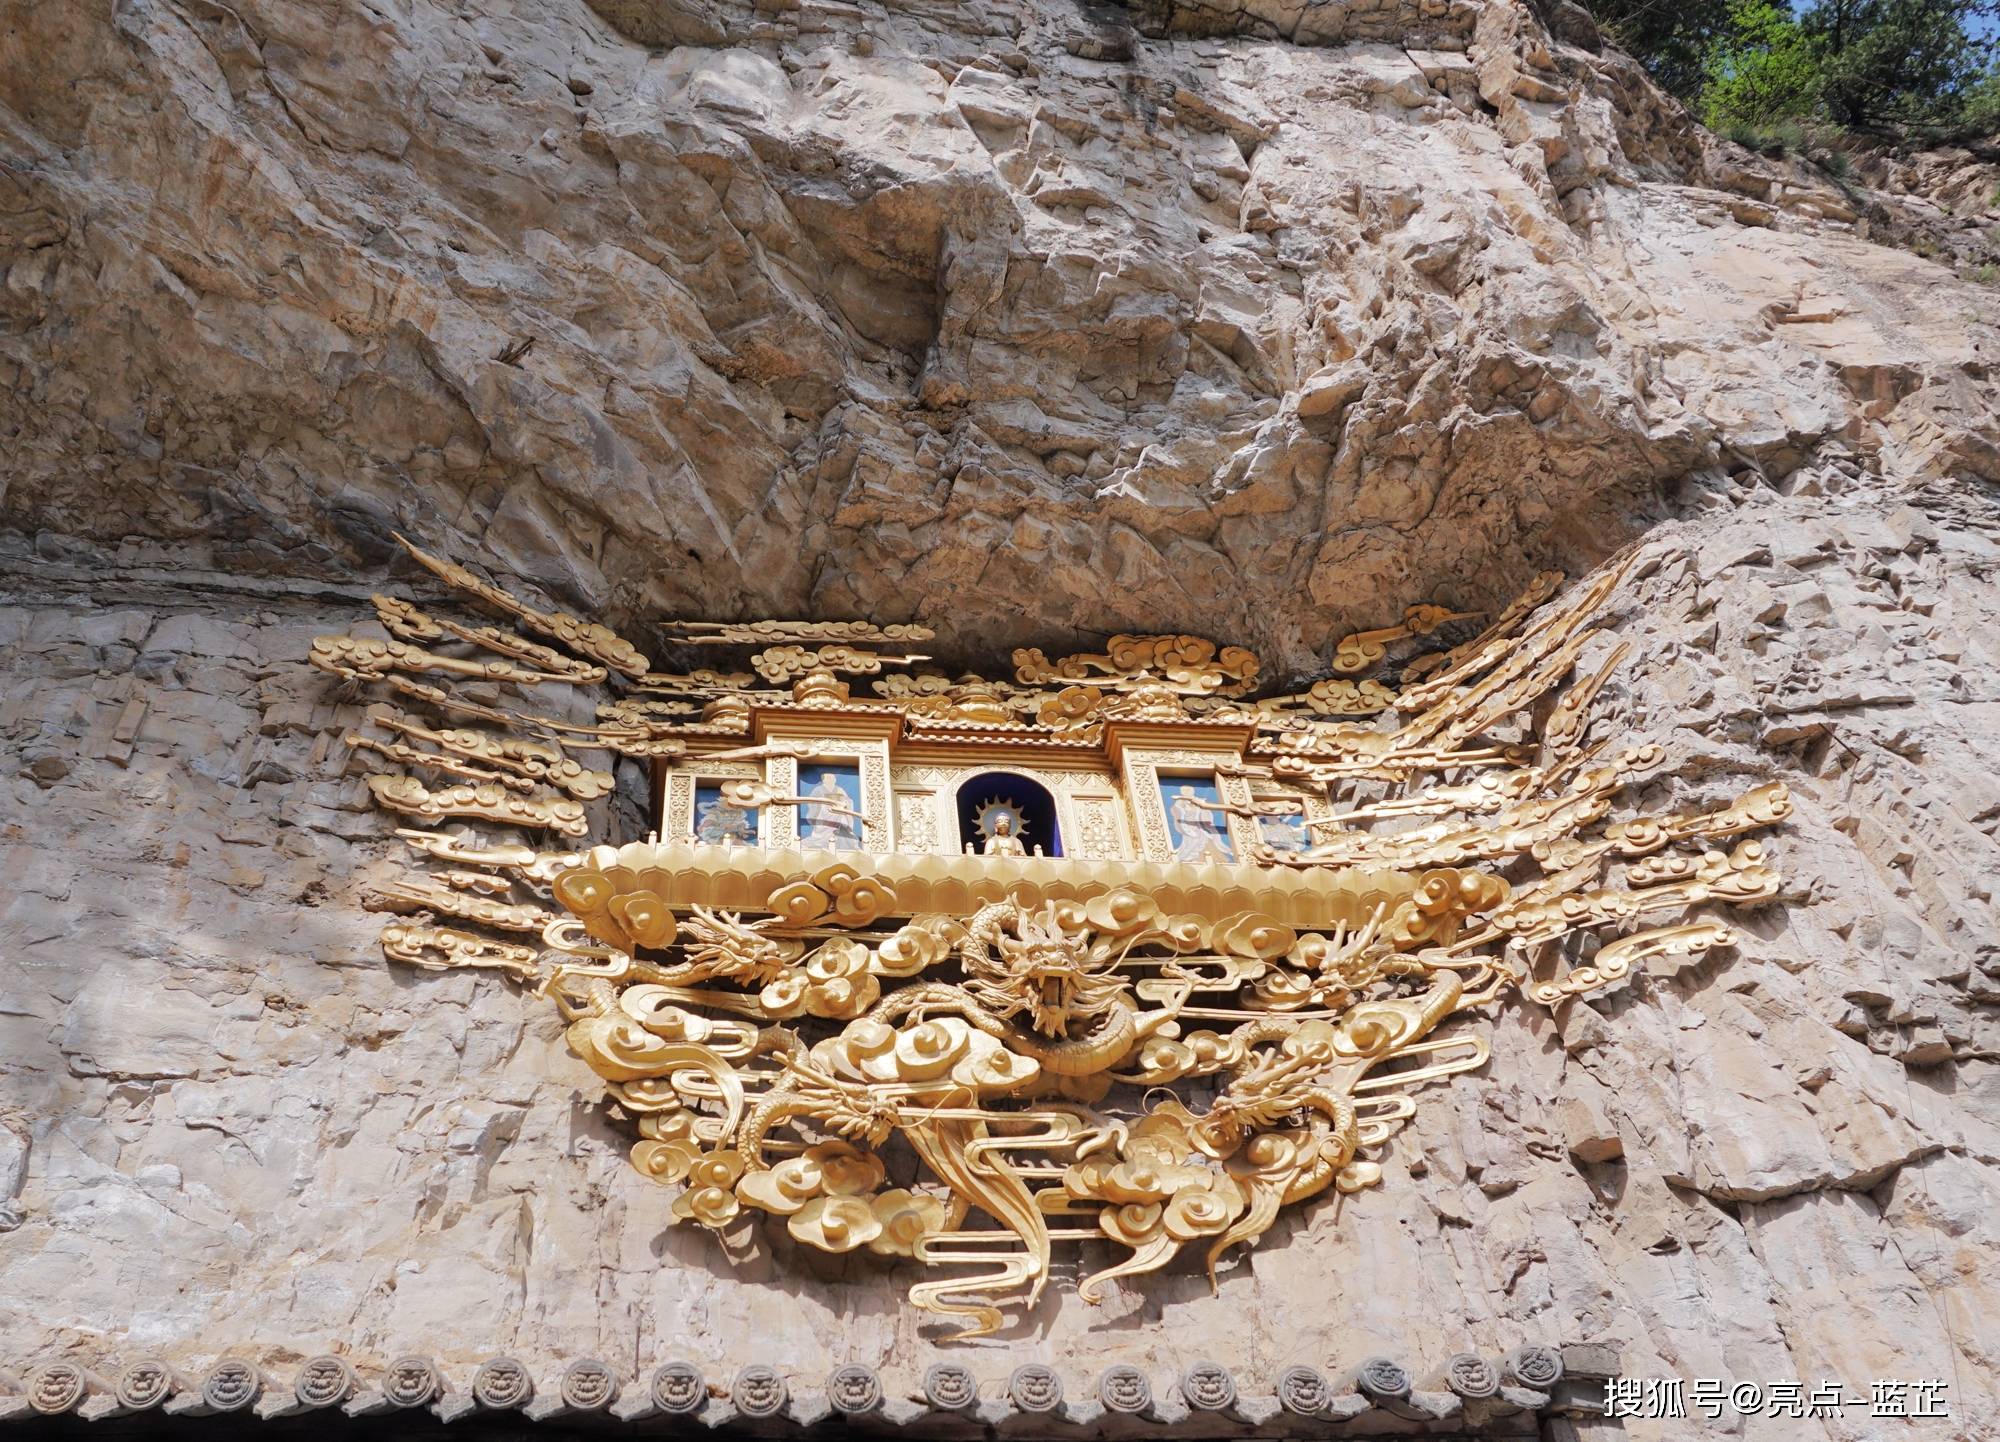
(1031, 322)
(915, 309)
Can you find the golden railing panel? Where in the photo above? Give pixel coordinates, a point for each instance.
(1030, 1030)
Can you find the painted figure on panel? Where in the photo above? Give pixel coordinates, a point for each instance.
(718, 821)
(1162, 1061)
(1284, 833)
(830, 819)
(1194, 821)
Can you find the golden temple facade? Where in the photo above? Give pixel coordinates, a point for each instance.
(1117, 954)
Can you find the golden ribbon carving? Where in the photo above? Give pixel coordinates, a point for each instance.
(1060, 1051)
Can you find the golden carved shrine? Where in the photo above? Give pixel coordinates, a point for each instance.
(1119, 954)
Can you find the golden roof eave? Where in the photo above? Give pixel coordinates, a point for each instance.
(1224, 738)
(691, 873)
(950, 731)
(853, 720)
(768, 1020)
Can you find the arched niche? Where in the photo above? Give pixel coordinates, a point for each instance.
(1029, 802)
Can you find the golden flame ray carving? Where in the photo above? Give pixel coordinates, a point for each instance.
(784, 1029)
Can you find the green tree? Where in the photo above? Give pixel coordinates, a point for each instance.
(1981, 115)
(1671, 39)
(1895, 62)
(1762, 70)
(1918, 66)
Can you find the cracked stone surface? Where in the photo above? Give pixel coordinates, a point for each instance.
(1031, 322)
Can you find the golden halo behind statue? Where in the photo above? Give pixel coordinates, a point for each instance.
(987, 816)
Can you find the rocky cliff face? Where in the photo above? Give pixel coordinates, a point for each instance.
(1032, 322)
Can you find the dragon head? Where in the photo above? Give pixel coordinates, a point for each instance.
(1058, 980)
(722, 944)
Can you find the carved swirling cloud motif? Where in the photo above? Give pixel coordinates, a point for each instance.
(966, 1061)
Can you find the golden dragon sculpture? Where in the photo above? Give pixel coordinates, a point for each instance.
(1027, 1062)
